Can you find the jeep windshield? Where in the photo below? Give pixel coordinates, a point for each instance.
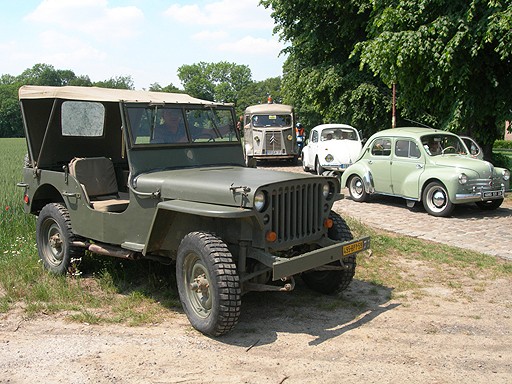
(440, 144)
(171, 125)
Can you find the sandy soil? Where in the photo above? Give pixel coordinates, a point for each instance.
(447, 332)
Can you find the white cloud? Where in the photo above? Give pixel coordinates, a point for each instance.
(230, 14)
(92, 17)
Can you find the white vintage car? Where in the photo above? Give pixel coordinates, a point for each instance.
(331, 147)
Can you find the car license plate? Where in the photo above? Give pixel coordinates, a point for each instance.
(353, 248)
(493, 194)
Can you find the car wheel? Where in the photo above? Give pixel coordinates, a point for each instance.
(304, 167)
(54, 237)
(335, 280)
(318, 168)
(208, 283)
(356, 188)
(489, 205)
(436, 201)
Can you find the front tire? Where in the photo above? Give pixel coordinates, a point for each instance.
(489, 205)
(54, 238)
(337, 280)
(318, 168)
(356, 189)
(208, 283)
(436, 201)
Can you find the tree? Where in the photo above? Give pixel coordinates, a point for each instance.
(117, 82)
(155, 87)
(450, 60)
(10, 115)
(220, 82)
(257, 92)
(320, 78)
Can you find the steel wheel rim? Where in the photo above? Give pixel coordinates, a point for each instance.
(356, 187)
(200, 299)
(53, 247)
(437, 199)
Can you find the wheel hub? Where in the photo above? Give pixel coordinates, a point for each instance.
(200, 284)
(439, 199)
(358, 187)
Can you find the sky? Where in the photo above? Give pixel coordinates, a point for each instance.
(145, 39)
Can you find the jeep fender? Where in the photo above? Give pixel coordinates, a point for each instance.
(180, 217)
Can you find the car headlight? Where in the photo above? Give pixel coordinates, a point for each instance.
(328, 190)
(259, 200)
(329, 158)
(463, 178)
(506, 174)
(290, 137)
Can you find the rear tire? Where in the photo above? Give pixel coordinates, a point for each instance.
(54, 237)
(331, 281)
(208, 283)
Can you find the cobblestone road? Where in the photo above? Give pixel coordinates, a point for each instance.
(469, 227)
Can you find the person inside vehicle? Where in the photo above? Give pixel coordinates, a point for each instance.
(171, 128)
(433, 147)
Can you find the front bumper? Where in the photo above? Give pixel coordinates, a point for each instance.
(480, 194)
(286, 267)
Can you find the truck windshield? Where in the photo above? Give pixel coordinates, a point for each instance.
(177, 125)
(271, 120)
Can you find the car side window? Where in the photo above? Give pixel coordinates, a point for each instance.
(381, 147)
(314, 136)
(407, 148)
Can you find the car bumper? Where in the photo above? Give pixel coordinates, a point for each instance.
(336, 167)
(480, 195)
(285, 267)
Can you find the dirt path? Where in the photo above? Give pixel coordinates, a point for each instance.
(454, 332)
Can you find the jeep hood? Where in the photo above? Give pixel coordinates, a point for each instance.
(483, 168)
(215, 185)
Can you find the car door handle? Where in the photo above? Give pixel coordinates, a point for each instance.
(419, 166)
(370, 161)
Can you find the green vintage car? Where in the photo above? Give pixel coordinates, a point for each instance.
(161, 176)
(427, 165)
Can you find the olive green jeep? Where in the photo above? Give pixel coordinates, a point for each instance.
(162, 176)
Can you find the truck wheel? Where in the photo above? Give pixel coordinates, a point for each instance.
(208, 283)
(54, 237)
(356, 188)
(332, 281)
(436, 201)
(489, 205)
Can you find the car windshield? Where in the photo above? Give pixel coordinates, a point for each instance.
(273, 121)
(175, 125)
(338, 134)
(441, 144)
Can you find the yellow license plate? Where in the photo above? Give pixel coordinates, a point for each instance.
(353, 248)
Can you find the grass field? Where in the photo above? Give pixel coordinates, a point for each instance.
(107, 290)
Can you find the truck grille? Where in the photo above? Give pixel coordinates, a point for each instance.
(273, 140)
(296, 211)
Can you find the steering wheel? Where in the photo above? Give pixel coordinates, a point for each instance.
(447, 148)
(204, 135)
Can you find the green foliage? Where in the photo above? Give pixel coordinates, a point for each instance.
(450, 60)
(257, 92)
(502, 144)
(117, 82)
(221, 81)
(320, 79)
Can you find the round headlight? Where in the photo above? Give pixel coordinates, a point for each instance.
(290, 137)
(506, 174)
(259, 201)
(326, 189)
(329, 158)
(463, 178)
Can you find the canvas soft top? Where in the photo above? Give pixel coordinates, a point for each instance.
(108, 95)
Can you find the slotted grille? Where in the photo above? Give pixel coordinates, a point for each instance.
(273, 140)
(296, 211)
